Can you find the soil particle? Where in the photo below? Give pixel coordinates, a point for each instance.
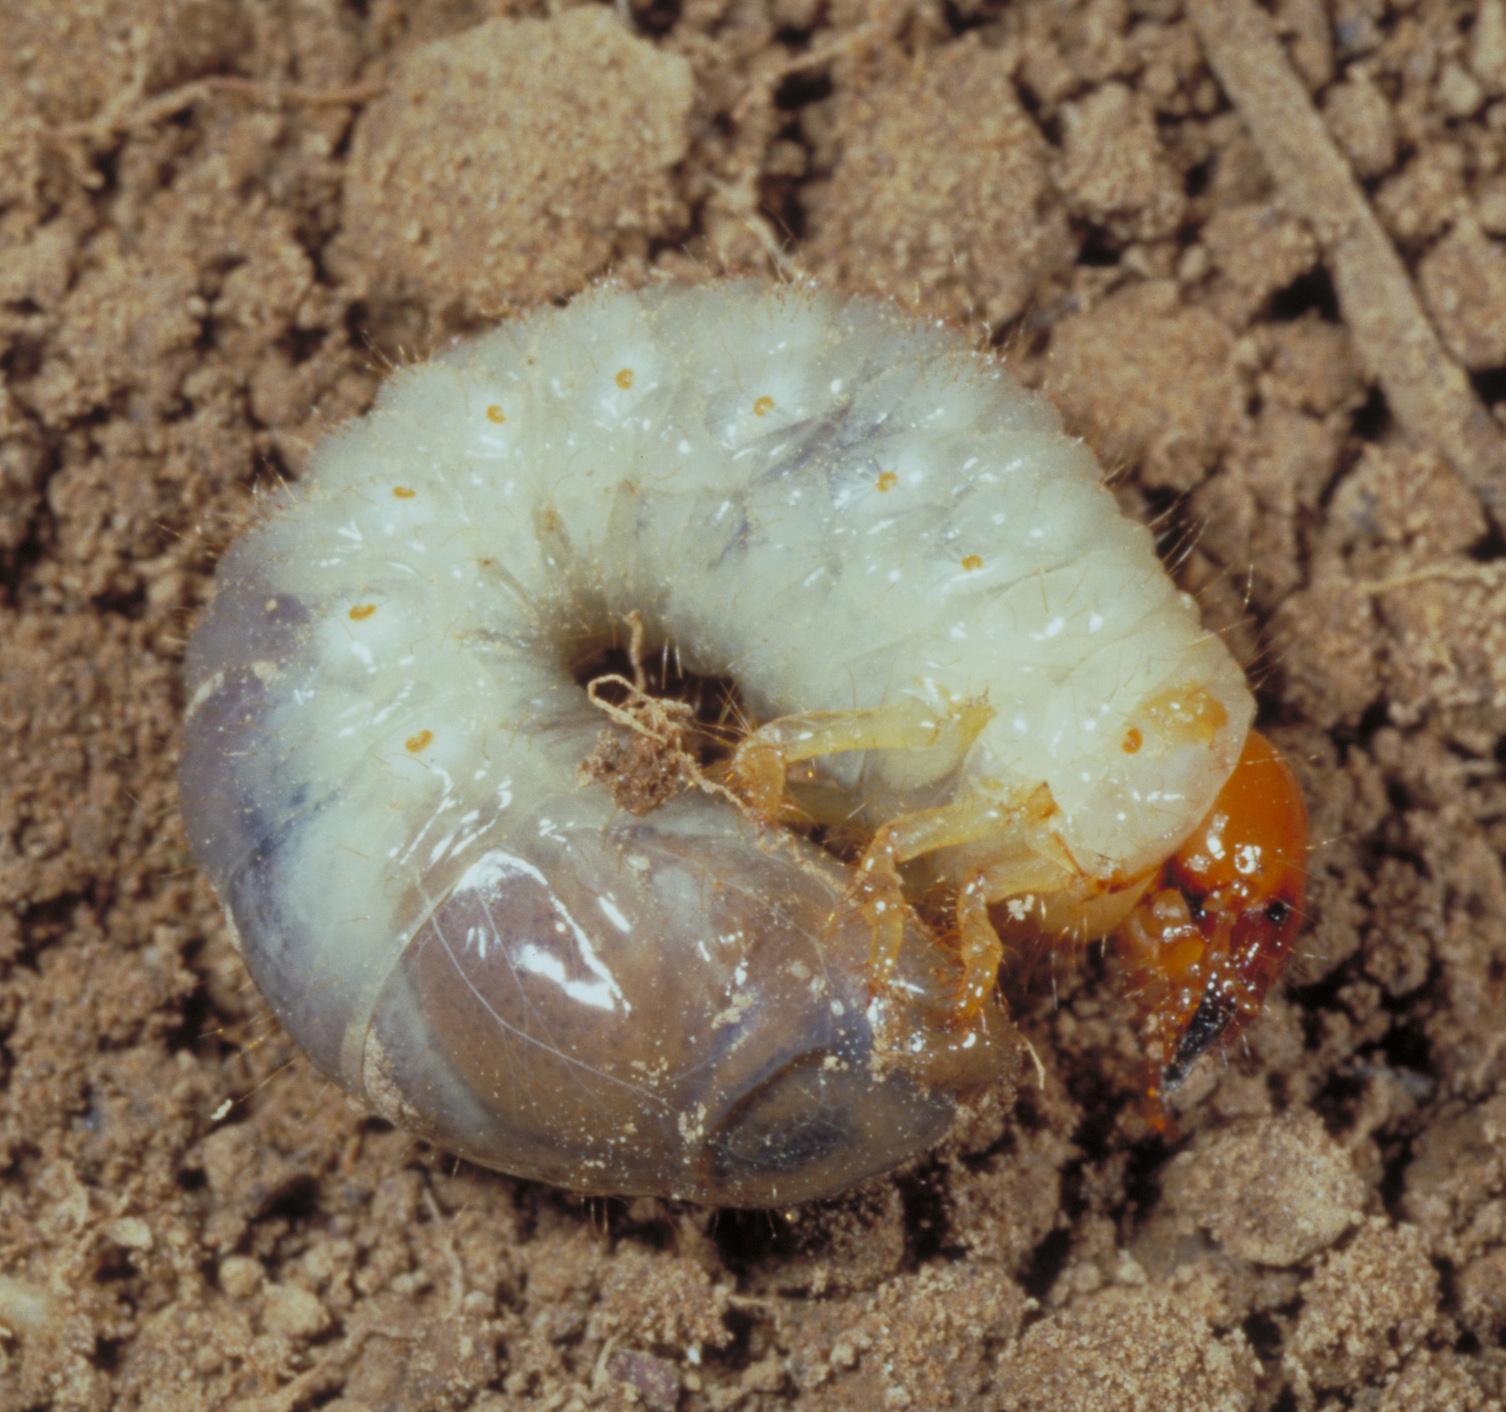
(1366, 1307)
(1136, 1347)
(1463, 279)
(938, 191)
(470, 207)
(1113, 169)
(886, 1349)
(1172, 428)
(1268, 1191)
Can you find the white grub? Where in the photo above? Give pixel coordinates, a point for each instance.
(830, 503)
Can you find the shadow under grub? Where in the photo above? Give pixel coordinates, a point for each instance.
(751, 1237)
(928, 1231)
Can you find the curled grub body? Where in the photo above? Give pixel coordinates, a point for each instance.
(958, 668)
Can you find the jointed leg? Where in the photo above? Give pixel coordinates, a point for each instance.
(759, 768)
(935, 743)
(880, 889)
(979, 948)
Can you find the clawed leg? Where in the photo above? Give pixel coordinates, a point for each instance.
(759, 769)
(979, 948)
(933, 744)
(880, 895)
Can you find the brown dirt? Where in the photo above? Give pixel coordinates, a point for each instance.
(220, 222)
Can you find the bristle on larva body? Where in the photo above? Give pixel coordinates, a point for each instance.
(869, 529)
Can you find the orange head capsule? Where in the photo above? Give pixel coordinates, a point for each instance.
(1215, 931)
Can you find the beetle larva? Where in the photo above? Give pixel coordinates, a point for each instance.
(971, 702)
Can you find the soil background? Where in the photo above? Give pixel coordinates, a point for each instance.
(1270, 290)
